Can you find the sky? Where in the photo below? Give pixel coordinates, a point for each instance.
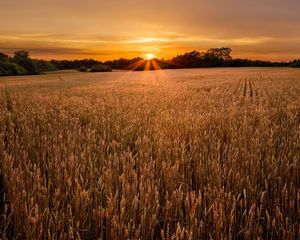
(110, 29)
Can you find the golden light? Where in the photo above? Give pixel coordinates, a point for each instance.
(145, 64)
(150, 56)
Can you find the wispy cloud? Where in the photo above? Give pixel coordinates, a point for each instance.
(166, 27)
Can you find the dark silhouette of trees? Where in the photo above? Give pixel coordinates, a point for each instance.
(21, 63)
(44, 66)
(8, 67)
(188, 60)
(217, 57)
(101, 68)
(75, 64)
(3, 57)
(22, 58)
(22, 54)
(122, 63)
(214, 57)
(296, 63)
(220, 53)
(11, 69)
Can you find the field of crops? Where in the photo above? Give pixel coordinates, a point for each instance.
(175, 154)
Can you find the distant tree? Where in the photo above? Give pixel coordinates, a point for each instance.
(123, 64)
(82, 69)
(22, 58)
(101, 68)
(188, 60)
(22, 54)
(220, 53)
(3, 57)
(10, 69)
(214, 57)
(58, 64)
(75, 64)
(295, 63)
(44, 66)
(217, 57)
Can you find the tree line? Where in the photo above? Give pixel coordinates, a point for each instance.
(22, 64)
(214, 57)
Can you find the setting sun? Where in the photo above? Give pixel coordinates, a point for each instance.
(150, 56)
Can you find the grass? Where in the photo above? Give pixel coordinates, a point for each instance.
(188, 154)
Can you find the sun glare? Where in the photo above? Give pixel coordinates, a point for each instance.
(150, 56)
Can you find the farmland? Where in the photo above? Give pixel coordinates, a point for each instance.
(174, 154)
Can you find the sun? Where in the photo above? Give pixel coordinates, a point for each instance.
(150, 56)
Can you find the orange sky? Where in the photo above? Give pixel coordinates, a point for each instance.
(108, 29)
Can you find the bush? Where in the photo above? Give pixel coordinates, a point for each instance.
(44, 66)
(101, 68)
(82, 69)
(296, 64)
(10, 69)
(22, 59)
(3, 57)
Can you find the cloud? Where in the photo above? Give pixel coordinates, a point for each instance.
(167, 27)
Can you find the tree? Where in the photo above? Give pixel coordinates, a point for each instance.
(101, 68)
(3, 57)
(22, 58)
(9, 69)
(44, 66)
(220, 53)
(189, 60)
(22, 54)
(296, 63)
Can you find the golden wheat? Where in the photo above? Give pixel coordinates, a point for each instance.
(188, 154)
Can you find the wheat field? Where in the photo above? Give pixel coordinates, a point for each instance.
(174, 154)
